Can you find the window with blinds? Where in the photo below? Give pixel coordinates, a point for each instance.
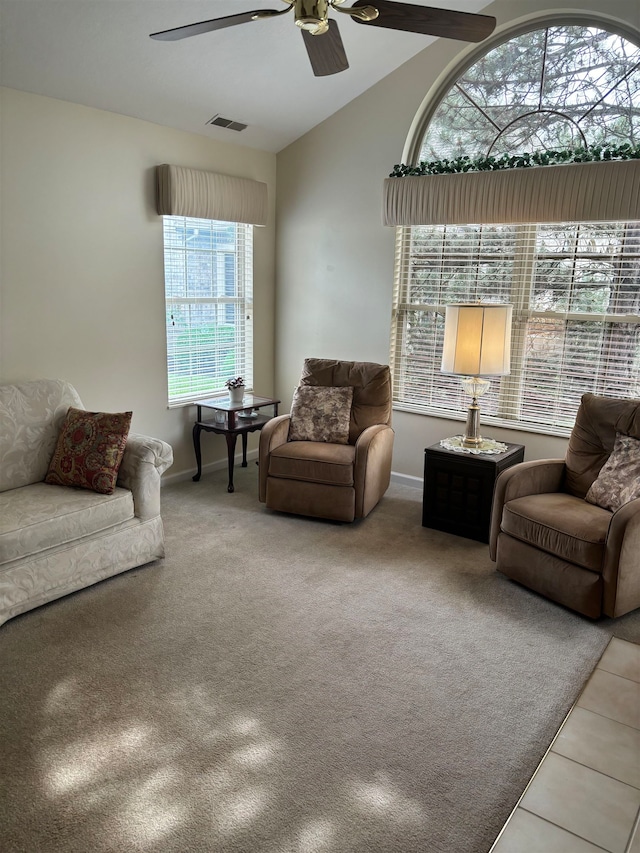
(575, 289)
(209, 305)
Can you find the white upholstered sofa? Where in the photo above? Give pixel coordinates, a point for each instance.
(56, 539)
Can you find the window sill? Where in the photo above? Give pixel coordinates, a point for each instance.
(486, 420)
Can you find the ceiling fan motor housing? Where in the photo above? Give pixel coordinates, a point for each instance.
(311, 15)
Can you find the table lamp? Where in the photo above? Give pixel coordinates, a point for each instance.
(477, 343)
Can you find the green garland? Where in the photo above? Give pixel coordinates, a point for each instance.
(539, 158)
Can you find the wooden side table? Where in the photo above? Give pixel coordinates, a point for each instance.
(231, 420)
(458, 489)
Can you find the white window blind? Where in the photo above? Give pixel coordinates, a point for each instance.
(209, 305)
(575, 288)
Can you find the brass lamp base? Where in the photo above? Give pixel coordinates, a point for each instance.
(472, 437)
(475, 386)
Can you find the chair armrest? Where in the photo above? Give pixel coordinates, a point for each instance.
(526, 478)
(143, 462)
(621, 570)
(372, 466)
(274, 433)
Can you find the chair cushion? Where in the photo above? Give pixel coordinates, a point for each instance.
(321, 413)
(316, 500)
(371, 385)
(313, 462)
(560, 524)
(37, 517)
(593, 437)
(548, 575)
(619, 479)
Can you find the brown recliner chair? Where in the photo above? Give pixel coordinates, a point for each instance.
(546, 536)
(335, 481)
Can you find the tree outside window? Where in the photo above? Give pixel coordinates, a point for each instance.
(575, 286)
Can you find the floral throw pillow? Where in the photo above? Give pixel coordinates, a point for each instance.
(619, 479)
(321, 413)
(89, 450)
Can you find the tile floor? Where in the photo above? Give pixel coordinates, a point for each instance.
(585, 795)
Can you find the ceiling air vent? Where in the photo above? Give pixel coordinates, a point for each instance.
(230, 124)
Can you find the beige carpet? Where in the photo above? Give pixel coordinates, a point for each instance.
(283, 685)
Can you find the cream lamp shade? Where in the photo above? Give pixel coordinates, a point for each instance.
(477, 343)
(477, 339)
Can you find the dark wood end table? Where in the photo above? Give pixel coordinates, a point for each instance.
(458, 488)
(231, 420)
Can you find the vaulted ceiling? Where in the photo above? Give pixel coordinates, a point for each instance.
(98, 53)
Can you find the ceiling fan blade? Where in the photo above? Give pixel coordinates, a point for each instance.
(215, 24)
(326, 51)
(444, 23)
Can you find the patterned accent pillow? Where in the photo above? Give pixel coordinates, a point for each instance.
(89, 450)
(619, 479)
(320, 413)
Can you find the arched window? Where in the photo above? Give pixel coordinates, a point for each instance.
(575, 286)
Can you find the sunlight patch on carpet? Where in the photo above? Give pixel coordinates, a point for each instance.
(151, 812)
(316, 836)
(85, 761)
(238, 810)
(381, 799)
(255, 755)
(60, 696)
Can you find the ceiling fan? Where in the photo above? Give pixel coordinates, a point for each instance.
(327, 54)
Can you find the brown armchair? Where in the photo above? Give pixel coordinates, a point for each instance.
(336, 481)
(546, 536)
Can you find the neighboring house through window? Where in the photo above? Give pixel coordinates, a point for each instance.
(209, 305)
(575, 286)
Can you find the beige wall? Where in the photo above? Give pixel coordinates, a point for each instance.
(82, 287)
(81, 279)
(335, 259)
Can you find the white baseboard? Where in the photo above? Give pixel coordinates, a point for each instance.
(252, 455)
(219, 465)
(407, 480)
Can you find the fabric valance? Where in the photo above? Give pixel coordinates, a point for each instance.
(207, 195)
(576, 192)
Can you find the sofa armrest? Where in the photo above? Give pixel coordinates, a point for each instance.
(372, 466)
(526, 478)
(621, 570)
(274, 433)
(143, 463)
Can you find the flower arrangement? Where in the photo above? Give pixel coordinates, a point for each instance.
(539, 158)
(238, 382)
